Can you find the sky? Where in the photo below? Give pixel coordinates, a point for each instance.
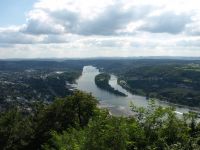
(99, 28)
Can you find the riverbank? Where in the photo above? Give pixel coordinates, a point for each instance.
(123, 84)
(116, 103)
(102, 81)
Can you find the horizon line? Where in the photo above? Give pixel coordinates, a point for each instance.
(105, 57)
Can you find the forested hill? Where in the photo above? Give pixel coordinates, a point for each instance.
(171, 80)
(75, 123)
(175, 81)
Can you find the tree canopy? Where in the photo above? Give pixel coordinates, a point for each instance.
(76, 123)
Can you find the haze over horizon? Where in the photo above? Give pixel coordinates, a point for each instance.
(92, 28)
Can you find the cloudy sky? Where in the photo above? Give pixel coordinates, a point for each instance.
(96, 28)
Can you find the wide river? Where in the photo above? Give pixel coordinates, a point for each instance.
(117, 105)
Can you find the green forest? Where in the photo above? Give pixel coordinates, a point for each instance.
(172, 80)
(76, 123)
(175, 81)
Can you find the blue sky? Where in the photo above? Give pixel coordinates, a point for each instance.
(13, 12)
(99, 28)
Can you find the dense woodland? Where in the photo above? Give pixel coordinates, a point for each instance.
(171, 80)
(76, 123)
(175, 81)
(36, 119)
(176, 84)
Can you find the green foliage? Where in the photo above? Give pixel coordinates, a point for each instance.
(73, 111)
(106, 132)
(171, 83)
(103, 132)
(71, 139)
(15, 130)
(75, 123)
(19, 131)
(163, 129)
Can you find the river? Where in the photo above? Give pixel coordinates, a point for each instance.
(117, 105)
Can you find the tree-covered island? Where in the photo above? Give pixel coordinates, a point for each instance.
(102, 81)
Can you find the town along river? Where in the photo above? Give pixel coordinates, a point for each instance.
(117, 105)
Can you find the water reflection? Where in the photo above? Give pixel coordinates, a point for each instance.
(116, 104)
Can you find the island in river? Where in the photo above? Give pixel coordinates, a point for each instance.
(102, 81)
(118, 105)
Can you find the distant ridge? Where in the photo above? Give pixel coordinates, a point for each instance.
(107, 58)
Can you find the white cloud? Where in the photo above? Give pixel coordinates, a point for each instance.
(78, 28)
(12, 35)
(39, 22)
(168, 22)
